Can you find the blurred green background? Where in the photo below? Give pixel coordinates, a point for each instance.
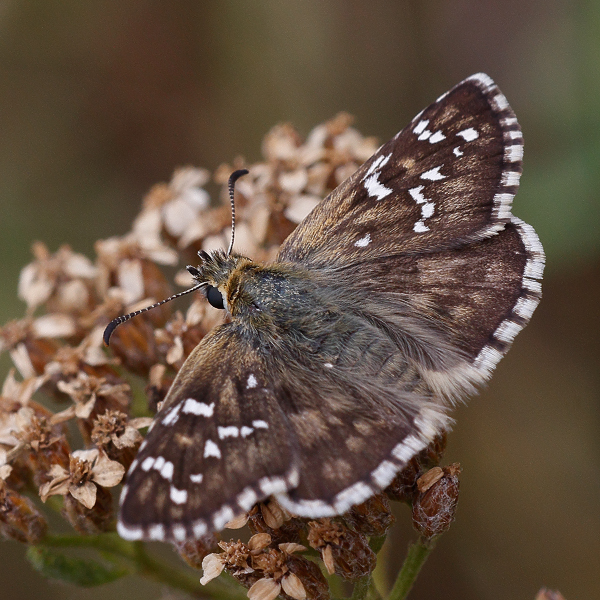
(100, 100)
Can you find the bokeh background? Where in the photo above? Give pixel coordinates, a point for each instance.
(101, 100)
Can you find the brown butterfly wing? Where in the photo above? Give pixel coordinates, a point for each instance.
(219, 444)
(447, 178)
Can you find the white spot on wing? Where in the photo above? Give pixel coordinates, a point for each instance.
(469, 134)
(354, 494)
(200, 409)
(417, 194)
(260, 424)
(167, 470)
(211, 449)
(312, 508)
(487, 359)
(199, 528)
(156, 532)
(507, 331)
(421, 126)
(371, 179)
(384, 473)
(525, 306)
(438, 136)
(246, 431)
(364, 241)
(406, 449)
(499, 102)
(513, 153)
(247, 499)
(433, 174)
(172, 416)
(128, 532)
(375, 188)
(178, 496)
(427, 208)
(457, 151)
(179, 532)
(147, 463)
(229, 431)
(252, 382)
(222, 517)
(196, 477)
(377, 164)
(272, 485)
(508, 121)
(510, 178)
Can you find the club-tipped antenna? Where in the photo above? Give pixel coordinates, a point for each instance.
(113, 324)
(232, 179)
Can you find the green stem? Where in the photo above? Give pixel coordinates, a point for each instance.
(143, 563)
(361, 588)
(377, 577)
(415, 558)
(376, 542)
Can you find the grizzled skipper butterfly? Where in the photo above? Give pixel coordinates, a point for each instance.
(393, 299)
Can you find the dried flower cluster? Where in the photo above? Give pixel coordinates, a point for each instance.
(82, 445)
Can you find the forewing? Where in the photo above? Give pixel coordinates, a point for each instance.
(218, 446)
(446, 179)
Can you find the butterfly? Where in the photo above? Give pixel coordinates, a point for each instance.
(394, 299)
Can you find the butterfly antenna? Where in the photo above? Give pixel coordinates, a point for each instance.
(232, 179)
(113, 324)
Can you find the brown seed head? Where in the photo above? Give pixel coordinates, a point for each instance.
(343, 551)
(19, 518)
(435, 506)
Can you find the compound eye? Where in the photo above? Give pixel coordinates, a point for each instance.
(214, 297)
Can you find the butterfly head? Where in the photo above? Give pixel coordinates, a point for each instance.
(214, 274)
(226, 281)
(211, 276)
(246, 290)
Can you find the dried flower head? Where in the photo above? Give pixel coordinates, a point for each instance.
(269, 517)
(372, 518)
(62, 280)
(86, 391)
(344, 551)
(194, 551)
(87, 470)
(435, 505)
(58, 351)
(265, 569)
(404, 486)
(19, 518)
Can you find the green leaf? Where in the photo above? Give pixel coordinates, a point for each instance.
(85, 573)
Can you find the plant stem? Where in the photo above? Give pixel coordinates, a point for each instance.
(143, 563)
(415, 558)
(376, 542)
